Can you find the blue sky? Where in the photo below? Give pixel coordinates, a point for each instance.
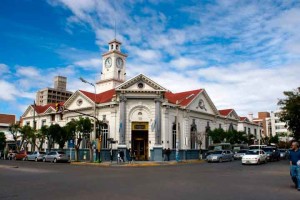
(244, 53)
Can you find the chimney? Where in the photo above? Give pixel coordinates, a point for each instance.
(250, 116)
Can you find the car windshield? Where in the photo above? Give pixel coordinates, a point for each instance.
(217, 152)
(268, 149)
(60, 152)
(242, 151)
(252, 153)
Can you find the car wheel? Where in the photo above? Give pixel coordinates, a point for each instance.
(36, 159)
(232, 159)
(258, 162)
(44, 159)
(220, 160)
(55, 161)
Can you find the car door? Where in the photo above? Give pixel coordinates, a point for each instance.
(32, 156)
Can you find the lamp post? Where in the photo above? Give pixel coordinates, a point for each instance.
(176, 122)
(94, 132)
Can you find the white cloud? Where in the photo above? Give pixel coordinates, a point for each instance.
(93, 63)
(183, 62)
(3, 69)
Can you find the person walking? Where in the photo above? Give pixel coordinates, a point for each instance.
(131, 155)
(168, 152)
(111, 155)
(165, 154)
(122, 156)
(295, 164)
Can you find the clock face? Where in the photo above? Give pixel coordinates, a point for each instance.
(119, 62)
(108, 62)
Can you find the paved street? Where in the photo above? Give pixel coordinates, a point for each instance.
(230, 180)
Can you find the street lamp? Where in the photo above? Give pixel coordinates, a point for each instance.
(94, 132)
(176, 122)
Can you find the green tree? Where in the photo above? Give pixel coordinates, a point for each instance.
(26, 132)
(59, 135)
(84, 128)
(14, 130)
(2, 140)
(236, 137)
(41, 135)
(274, 139)
(290, 114)
(217, 135)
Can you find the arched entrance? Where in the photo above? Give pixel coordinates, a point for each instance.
(139, 139)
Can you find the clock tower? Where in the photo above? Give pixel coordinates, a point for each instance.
(113, 67)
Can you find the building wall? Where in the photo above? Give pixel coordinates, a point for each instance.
(274, 125)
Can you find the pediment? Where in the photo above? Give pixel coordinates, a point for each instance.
(203, 103)
(50, 110)
(78, 101)
(233, 115)
(140, 83)
(28, 112)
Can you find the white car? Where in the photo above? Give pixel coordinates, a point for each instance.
(255, 156)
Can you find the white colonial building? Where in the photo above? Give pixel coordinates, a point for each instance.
(139, 113)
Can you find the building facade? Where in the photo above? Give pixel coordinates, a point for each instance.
(139, 113)
(274, 126)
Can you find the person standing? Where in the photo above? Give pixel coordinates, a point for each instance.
(295, 164)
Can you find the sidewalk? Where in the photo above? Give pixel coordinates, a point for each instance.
(137, 163)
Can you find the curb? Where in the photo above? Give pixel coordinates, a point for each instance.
(146, 164)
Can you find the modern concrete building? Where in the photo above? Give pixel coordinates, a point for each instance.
(54, 95)
(274, 126)
(262, 116)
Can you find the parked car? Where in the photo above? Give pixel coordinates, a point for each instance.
(283, 153)
(36, 156)
(220, 156)
(56, 156)
(238, 155)
(20, 155)
(273, 153)
(256, 156)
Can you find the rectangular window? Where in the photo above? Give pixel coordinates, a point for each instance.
(53, 117)
(249, 131)
(43, 122)
(174, 139)
(245, 129)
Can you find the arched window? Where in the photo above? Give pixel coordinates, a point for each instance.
(104, 131)
(174, 136)
(193, 136)
(231, 127)
(111, 47)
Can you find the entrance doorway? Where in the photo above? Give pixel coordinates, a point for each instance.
(139, 138)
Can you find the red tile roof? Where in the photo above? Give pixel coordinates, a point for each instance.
(7, 119)
(243, 118)
(225, 112)
(103, 97)
(182, 97)
(42, 109)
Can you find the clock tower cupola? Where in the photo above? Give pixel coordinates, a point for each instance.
(113, 67)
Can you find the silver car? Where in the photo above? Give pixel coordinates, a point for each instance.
(238, 155)
(36, 156)
(220, 156)
(56, 156)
